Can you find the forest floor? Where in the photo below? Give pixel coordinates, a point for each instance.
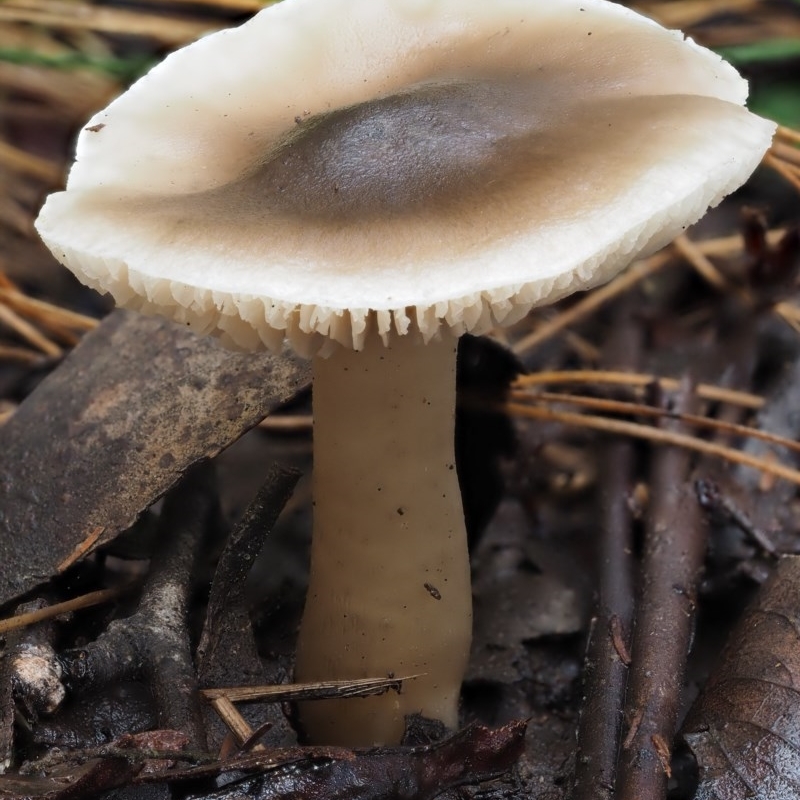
(630, 477)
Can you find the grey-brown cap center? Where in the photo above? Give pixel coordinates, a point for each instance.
(394, 154)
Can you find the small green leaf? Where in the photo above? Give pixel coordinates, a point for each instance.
(125, 70)
(767, 50)
(779, 101)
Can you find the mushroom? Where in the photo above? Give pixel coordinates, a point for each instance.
(369, 179)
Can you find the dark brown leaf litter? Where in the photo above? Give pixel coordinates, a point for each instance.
(745, 728)
(154, 643)
(227, 654)
(113, 428)
(535, 569)
(570, 521)
(135, 390)
(473, 755)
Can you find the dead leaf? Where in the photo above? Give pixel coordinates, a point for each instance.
(69, 782)
(84, 774)
(114, 427)
(745, 728)
(473, 755)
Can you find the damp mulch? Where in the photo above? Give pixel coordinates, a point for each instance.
(629, 466)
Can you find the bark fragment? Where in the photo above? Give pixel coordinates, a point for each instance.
(113, 428)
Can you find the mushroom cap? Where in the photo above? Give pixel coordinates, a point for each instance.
(332, 167)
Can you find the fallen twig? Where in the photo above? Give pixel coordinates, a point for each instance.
(607, 659)
(155, 639)
(674, 548)
(228, 650)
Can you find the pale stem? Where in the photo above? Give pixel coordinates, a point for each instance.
(389, 588)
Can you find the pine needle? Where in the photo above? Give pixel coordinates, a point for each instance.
(642, 410)
(57, 609)
(704, 390)
(657, 435)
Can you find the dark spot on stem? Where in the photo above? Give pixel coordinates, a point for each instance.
(433, 591)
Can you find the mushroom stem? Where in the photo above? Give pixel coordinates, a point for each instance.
(389, 589)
